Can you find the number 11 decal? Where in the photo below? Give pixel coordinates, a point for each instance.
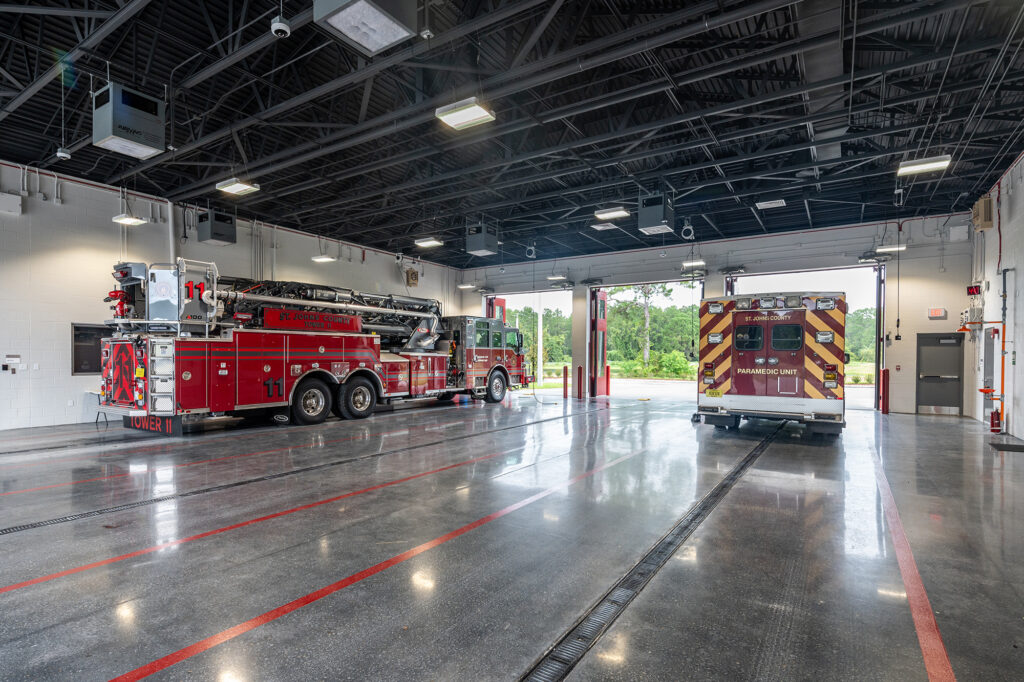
(270, 384)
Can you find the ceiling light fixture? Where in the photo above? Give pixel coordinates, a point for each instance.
(466, 285)
(464, 114)
(773, 203)
(611, 213)
(237, 187)
(428, 242)
(656, 229)
(555, 277)
(371, 26)
(891, 248)
(693, 263)
(932, 163)
(600, 227)
(129, 219)
(323, 258)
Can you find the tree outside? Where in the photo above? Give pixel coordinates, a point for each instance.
(557, 337)
(649, 340)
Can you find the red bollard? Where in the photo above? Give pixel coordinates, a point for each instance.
(579, 382)
(565, 382)
(607, 379)
(884, 395)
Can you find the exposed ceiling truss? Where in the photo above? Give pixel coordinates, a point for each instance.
(720, 103)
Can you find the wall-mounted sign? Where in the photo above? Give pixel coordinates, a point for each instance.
(936, 313)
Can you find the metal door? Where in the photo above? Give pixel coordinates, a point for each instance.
(598, 342)
(749, 358)
(940, 361)
(784, 349)
(988, 378)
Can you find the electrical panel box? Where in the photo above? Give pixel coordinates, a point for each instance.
(127, 121)
(656, 214)
(981, 214)
(10, 203)
(481, 240)
(216, 227)
(412, 277)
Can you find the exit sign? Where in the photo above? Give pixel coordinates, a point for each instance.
(936, 313)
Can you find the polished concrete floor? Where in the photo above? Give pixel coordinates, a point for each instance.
(461, 542)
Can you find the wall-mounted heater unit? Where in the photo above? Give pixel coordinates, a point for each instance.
(127, 121)
(216, 227)
(656, 214)
(481, 240)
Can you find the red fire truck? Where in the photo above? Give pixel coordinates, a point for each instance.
(776, 356)
(189, 344)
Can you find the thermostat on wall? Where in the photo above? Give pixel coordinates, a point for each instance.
(936, 313)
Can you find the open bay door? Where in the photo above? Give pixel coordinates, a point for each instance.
(598, 342)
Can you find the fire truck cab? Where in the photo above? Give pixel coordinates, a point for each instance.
(189, 344)
(773, 356)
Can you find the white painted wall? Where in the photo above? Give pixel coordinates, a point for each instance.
(1009, 229)
(934, 272)
(55, 264)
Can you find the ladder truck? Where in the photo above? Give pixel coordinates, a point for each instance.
(188, 345)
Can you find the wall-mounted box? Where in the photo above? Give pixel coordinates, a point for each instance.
(10, 203)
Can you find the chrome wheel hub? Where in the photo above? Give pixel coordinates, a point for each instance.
(361, 398)
(313, 402)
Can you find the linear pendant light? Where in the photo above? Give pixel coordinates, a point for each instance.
(932, 163)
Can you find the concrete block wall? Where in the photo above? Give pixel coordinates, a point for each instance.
(55, 264)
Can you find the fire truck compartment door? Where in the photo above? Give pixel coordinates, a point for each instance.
(749, 356)
(221, 373)
(784, 345)
(261, 373)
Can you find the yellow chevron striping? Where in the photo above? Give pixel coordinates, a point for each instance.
(838, 315)
(726, 385)
(825, 354)
(721, 369)
(814, 369)
(812, 391)
(718, 350)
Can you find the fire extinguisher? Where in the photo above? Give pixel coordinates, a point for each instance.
(995, 425)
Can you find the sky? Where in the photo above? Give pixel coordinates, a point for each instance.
(858, 283)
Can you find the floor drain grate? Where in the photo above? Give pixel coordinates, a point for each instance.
(571, 648)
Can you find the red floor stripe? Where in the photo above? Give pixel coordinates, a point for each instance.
(936, 659)
(235, 526)
(283, 610)
(227, 457)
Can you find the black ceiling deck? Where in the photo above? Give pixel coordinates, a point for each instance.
(721, 104)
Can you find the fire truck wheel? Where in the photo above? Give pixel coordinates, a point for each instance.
(357, 398)
(496, 388)
(312, 402)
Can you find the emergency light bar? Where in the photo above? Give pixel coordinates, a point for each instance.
(794, 302)
(763, 303)
(825, 304)
(824, 337)
(716, 308)
(715, 338)
(743, 303)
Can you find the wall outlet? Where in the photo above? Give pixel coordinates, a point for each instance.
(71, 403)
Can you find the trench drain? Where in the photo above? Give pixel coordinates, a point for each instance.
(570, 649)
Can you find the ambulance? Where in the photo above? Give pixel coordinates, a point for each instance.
(773, 356)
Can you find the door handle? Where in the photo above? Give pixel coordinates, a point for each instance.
(758, 361)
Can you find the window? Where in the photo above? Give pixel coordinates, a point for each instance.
(749, 337)
(787, 337)
(600, 308)
(496, 340)
(511, 339)
(85, 347)
(483, 332)
(600, 360)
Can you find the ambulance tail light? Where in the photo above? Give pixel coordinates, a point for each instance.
(831, 368)
(715, 338)
(709, 365)
(709, 380)
(743, 303)
(831, 384)
(824, 337)
(709, 373)
(831, 376)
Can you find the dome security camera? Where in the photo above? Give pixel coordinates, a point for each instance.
(280, 27)
(63, 154)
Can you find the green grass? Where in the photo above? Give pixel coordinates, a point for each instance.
(864, 370)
